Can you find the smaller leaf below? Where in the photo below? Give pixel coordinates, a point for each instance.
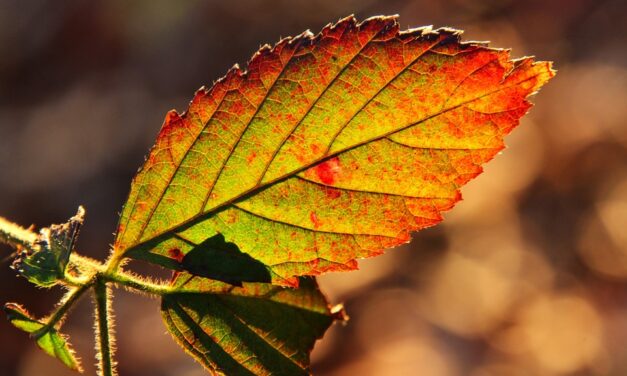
(52, 342)
(255, 329)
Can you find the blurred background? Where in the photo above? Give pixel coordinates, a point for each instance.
(526, 276)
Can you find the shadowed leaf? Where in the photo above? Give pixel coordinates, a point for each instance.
(216, 259)
(46, 265)
(328, 148)
(256, 329)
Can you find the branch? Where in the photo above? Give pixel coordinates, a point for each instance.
(104, 330)
(16, 236)
(68, 301)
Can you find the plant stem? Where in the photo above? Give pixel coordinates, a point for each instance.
(113, 264)
(81, 271)
(137, 283)
(81, 274)
(15, 235)
(105, 344)
(65, 305)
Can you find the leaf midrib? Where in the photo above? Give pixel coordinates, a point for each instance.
(194, 219)
(266, 340)
(268, 91)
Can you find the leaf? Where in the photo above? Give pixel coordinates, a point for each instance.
(257, 329)
(328, 148)
(52, 342)
(46, 265)
(216, 259)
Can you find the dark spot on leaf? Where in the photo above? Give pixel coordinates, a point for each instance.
(333, 193)
(176, 254)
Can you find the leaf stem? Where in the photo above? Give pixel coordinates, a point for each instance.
(81, 271)
(104, 325)
(113, 264)
(15, 235)
(64, 306)
(134, 282)
(81, 274)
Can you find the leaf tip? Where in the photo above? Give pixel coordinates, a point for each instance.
(338, 313)
(12, 310)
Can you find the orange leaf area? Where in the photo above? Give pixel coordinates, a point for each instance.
(328, 148)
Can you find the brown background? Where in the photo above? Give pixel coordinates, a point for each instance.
(527, 276)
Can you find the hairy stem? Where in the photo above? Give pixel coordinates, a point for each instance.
(104, 327)
(81, 271)
(113, 264)
(138, 283)
(15, 235)
(64, 306)
(81, 274)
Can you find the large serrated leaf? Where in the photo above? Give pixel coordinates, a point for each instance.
(328, 148)
(256, 329)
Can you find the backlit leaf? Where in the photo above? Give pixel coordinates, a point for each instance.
(51, 341)
(327, 149)
(45, 264)
(256, 329)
